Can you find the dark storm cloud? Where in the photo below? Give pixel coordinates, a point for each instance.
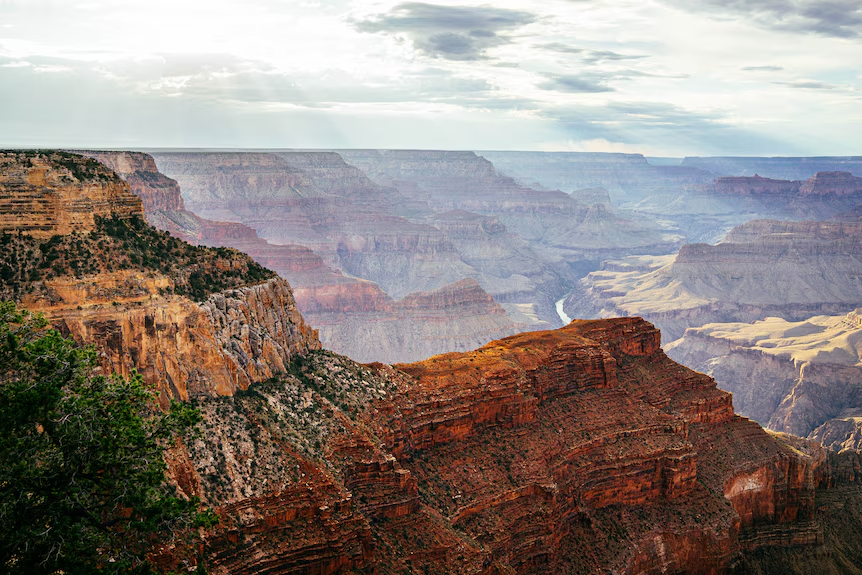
(450, 32)
(763, 68)
(575, 85)
(836, 18)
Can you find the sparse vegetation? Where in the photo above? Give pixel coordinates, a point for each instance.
(123, 244)
(83, 486)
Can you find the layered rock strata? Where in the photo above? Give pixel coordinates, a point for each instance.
(803, 378)
(554, 223)
(763, 268)
(355, 317)
(59, 193)
(582, 450)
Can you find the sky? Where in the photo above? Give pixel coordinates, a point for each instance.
(659, 77)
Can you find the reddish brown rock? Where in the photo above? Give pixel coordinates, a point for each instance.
(43, 194)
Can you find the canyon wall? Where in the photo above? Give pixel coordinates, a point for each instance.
(354, 316)
(584, 449)
(801, 377)
(59, 193)
(776, 167)
(763, 268)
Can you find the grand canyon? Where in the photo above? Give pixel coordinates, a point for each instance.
(381, 346)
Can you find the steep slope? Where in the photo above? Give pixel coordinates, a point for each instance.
(356, 317)
(803, 378)
(399, 255)
(580, 450)
(584, 449)
(555, 224)
(763, 268)
(357, 227)
(197, 321)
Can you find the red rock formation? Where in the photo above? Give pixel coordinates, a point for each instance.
(355, 316)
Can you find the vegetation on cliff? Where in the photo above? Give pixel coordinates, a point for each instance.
(83, 485)
(123, 244)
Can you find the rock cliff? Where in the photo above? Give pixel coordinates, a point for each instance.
(195, 321)
(796, 377)
(356, 317)
(746, 277)
(48, 193)
(583, 450)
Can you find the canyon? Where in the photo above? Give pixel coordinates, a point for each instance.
(584, 449)
(352, 315)
(792, 270)
(795, 377)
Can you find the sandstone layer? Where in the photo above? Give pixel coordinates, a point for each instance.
(43, 194)
(803, 378)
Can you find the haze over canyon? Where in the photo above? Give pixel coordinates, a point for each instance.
(387, 371)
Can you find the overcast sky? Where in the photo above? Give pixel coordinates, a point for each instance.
(661, 77)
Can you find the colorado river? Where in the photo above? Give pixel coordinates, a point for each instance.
(566, 319)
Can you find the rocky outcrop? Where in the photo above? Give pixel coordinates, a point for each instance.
(48, 193)
(583, 449)
(838, 184)
(755, 186)
(189, 349)
(821, 185)
(744, 278)
(796, 377)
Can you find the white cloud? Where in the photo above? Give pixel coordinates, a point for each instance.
(564, 72)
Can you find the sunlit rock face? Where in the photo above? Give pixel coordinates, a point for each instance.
(763, 268)
(59, 193)
(803, 377)
(583, 449)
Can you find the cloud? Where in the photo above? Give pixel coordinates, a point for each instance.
(450, 32)
(658, 125)
(763, 68)
(575, 85)
(807, 84)
(835, 18)
(560, 47)
(605, 55)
